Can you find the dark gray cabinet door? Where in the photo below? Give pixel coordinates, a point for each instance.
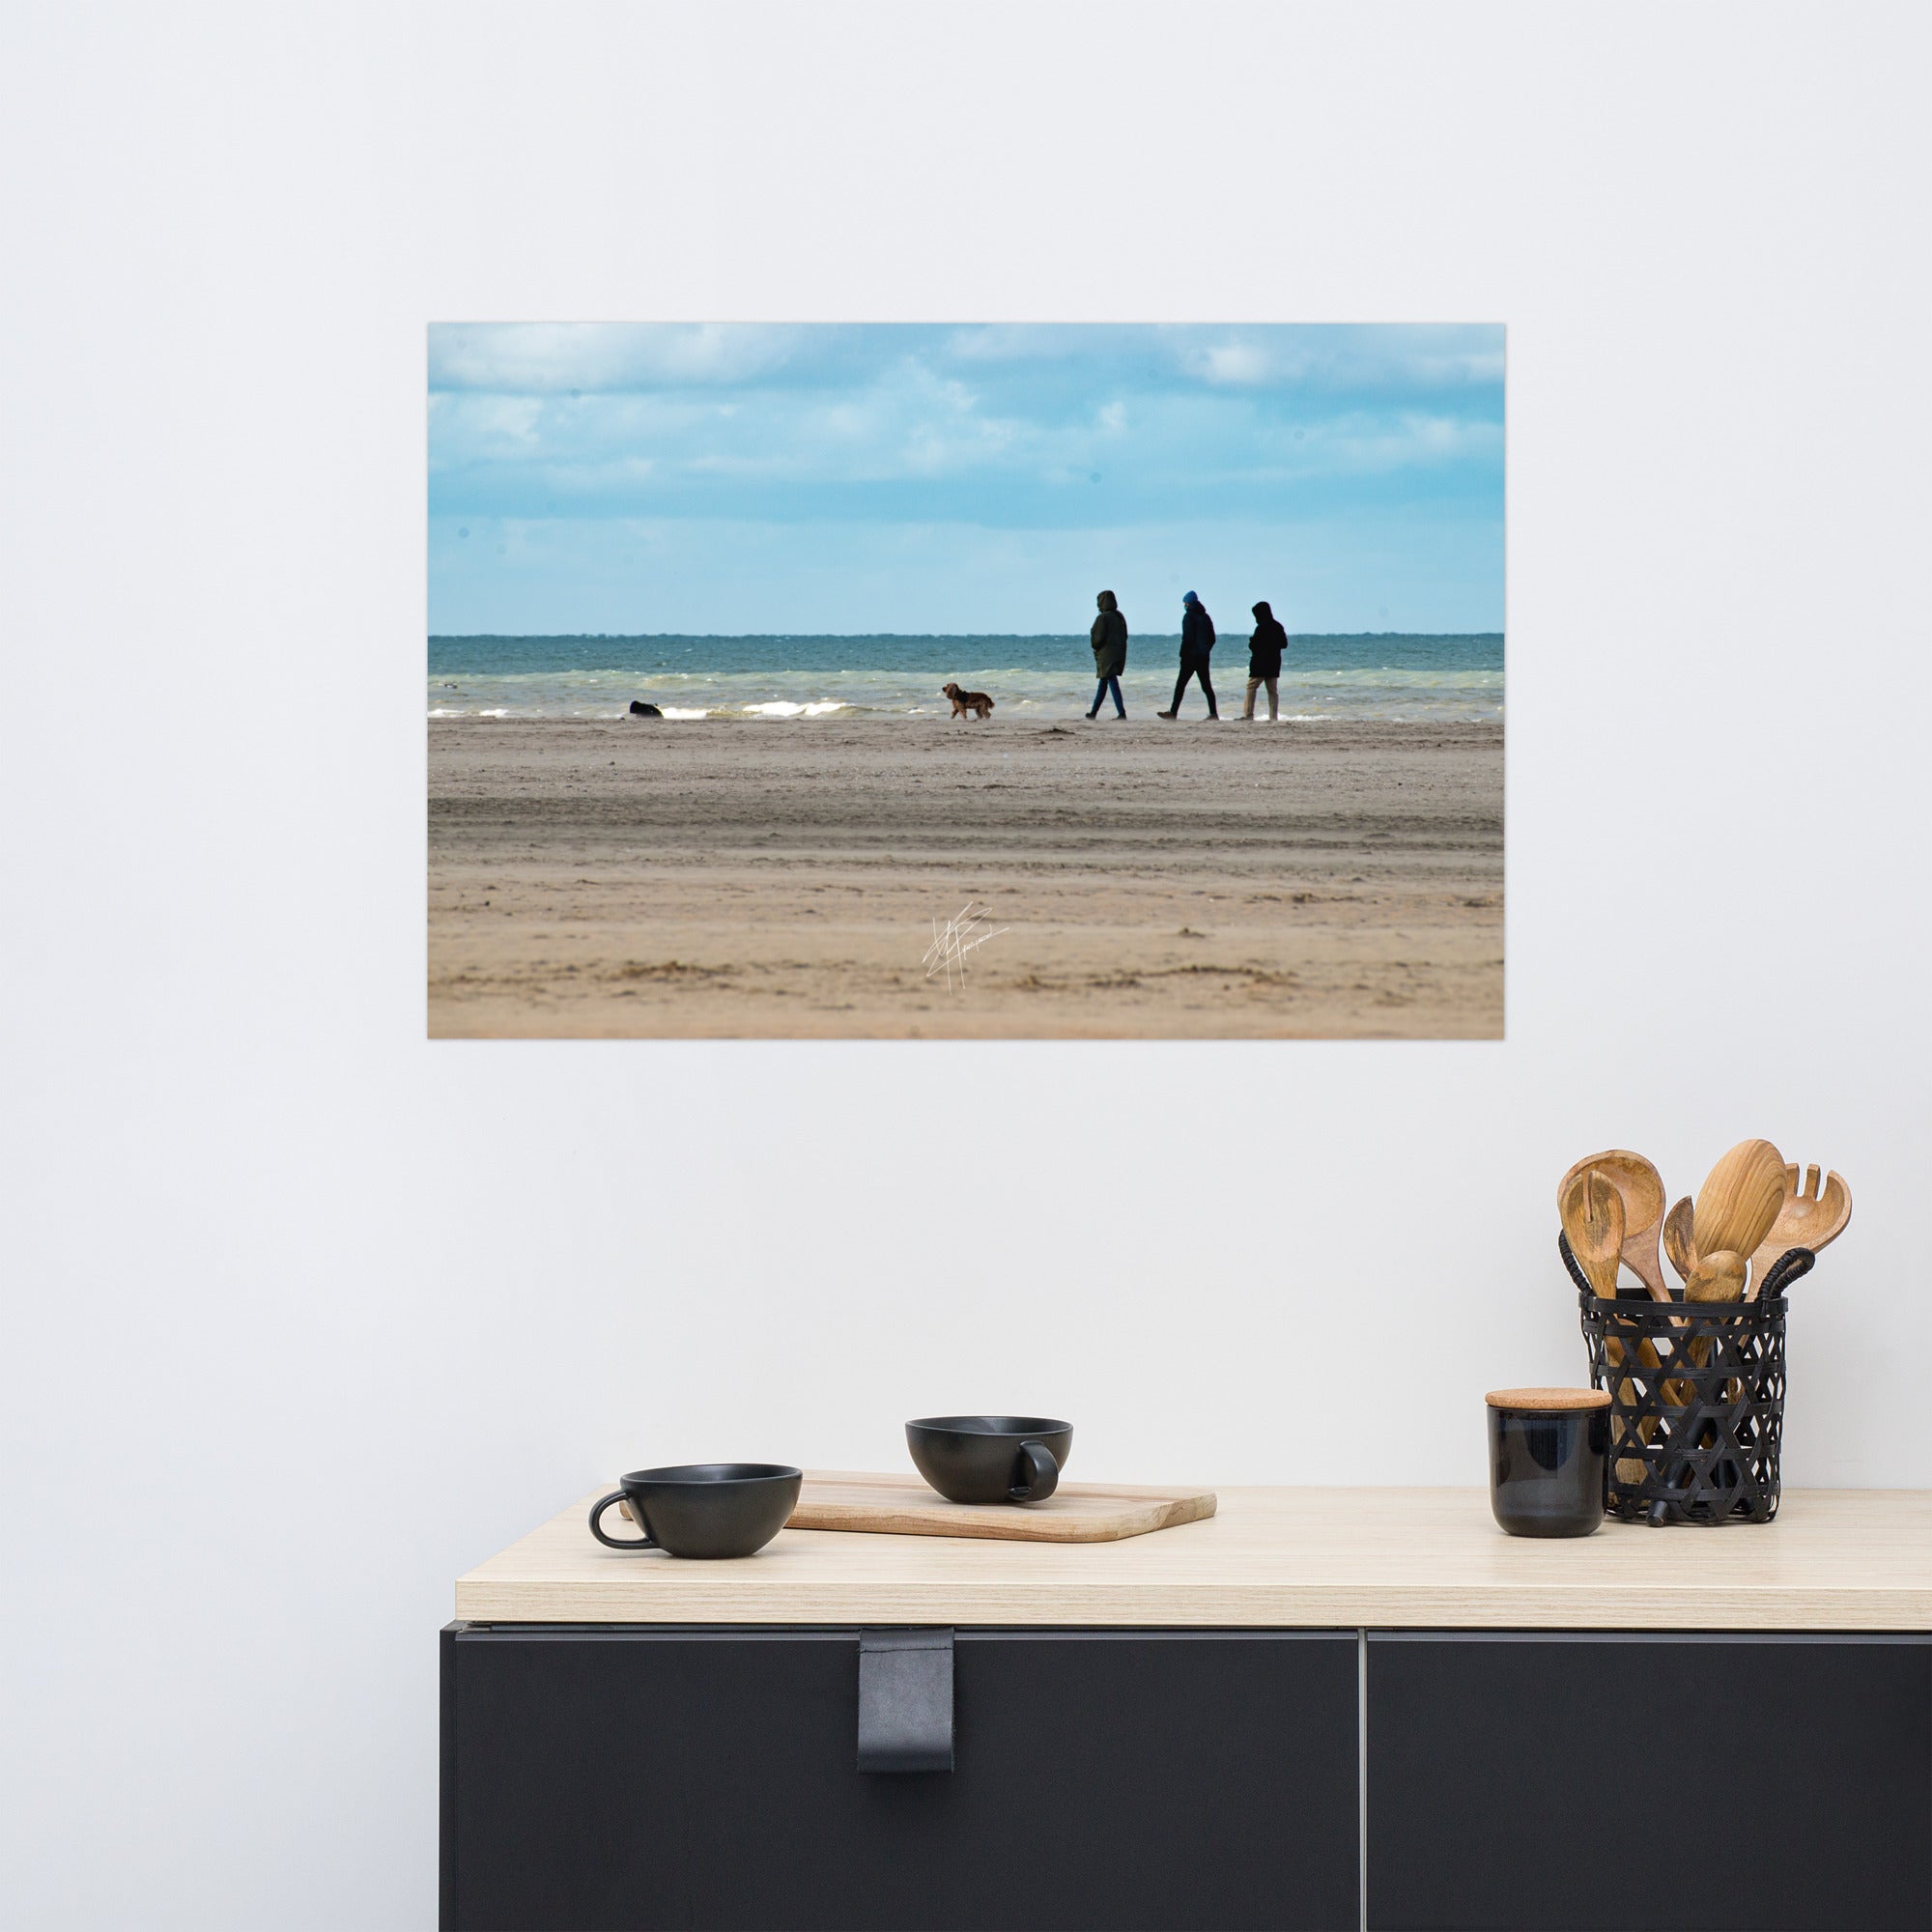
(605, 1778)
(1618, 1782)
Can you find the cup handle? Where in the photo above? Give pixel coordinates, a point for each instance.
(1041, 1475)
(597, 1510)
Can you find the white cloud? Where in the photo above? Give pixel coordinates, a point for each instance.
(1133, 420)
(1364, 356)
(563, 358)
(1235, 363)
(488, 427)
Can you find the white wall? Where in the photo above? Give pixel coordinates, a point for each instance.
(304, 1315)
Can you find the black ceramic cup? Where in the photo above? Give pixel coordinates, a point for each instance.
(990, 1459)
(1548, 1459)
(702, 1509)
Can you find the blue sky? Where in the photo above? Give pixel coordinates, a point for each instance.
(734, 478)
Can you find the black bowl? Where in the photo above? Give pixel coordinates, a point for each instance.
(703, 1508)
(990, 1459)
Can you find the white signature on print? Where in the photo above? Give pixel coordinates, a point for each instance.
(953, 939)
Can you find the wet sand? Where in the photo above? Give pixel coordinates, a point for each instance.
(1154, 881)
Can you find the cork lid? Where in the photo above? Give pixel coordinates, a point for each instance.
(1548, 1401)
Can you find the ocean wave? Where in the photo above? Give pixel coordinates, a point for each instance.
(1309, 692)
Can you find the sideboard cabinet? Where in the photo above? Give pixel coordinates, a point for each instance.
(934, 1736)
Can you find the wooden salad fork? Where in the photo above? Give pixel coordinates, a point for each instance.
(1810, 1217)
(1590, 1203)
(1637, 1181)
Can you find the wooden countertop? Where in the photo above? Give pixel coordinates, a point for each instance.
(1835, 1559)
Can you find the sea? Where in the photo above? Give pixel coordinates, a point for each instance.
(1415, 676)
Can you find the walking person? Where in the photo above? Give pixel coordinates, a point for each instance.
(1265, 649)
(1109, 638)
(1197, 640)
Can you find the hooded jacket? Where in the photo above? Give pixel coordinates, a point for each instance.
(1266, 647)
(1109, 637)
(1197, 631)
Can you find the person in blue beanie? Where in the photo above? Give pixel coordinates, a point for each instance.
(1197, 640)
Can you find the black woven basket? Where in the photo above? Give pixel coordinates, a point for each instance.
(1696, 1399)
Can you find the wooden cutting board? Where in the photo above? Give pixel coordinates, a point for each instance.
(1075, 1513)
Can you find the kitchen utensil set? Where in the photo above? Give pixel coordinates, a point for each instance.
(1697, 1384)
(1753, 1210)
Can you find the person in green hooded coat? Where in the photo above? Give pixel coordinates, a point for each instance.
(1109, 638)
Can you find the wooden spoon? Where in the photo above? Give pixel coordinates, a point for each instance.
(1680, 1240)
(1680, 1243)
(1809, 1217)
(1716, 1277)
(1740, 1200)
(1593, 1218)
(1642, 1191)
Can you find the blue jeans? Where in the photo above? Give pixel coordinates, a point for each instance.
(1106, 685)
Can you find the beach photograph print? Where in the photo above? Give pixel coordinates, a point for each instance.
(890, 681)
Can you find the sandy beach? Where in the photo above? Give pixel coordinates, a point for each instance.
(781, 879)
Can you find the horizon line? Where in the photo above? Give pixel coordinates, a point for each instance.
(808, 636)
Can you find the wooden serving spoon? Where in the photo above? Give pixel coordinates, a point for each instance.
(1809, 1217)
(1739, 1200)
(1641, 1187)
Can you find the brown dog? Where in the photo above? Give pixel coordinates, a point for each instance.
(963, 702)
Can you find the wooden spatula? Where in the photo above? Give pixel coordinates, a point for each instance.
(1680, 1240)
(1716, 1277)
(1739, 1200)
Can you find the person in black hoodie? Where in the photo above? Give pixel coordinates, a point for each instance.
(1265, 649)
(1196, 640)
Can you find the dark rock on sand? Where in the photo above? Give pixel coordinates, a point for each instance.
(639, 709)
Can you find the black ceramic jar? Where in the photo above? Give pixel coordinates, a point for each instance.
(1548, 1459)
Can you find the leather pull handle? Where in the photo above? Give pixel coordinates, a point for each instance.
(905, 1700)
